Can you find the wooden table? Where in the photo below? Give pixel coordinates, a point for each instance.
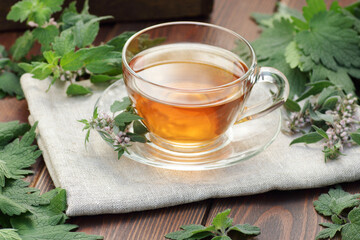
(281, 215)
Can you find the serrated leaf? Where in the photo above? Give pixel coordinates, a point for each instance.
(220, 221)
(85, 33)
(335, 201)
(22, 46)
(246, 229)
(44, 215)
(20, 10)
(51, 57)
(125, 117)
(270, 49)
(9, 234)
(355, 136)
(351, 231)
(120, 105)
(106, 63)
(330, 231)
(73, 61)
(323, 45)
(76, 89)
(54, 5)
(18, 155)
(10, 84)
(336, 219)
(17, 198)
(314, 7)
(64, 44)
(11, 130)
(58, 232)
(45, 36)
(119, 41)
(292, 54)
(42, 70)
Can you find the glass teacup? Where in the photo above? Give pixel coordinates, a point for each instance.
(190, 82)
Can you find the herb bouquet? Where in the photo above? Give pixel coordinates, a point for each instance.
(319, 52)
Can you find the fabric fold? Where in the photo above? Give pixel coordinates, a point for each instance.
(97, 183)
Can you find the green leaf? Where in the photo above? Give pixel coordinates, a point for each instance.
(320, 131)
(336, 219)
(292, 105)
(73, 61)
(20, 11)
(54, 5)
(335, 201)
(314, 6)
(65, 43)
(9, 234)
(75, 90)
(60, 232)
(330, 231)
(292, 54)
(12, 130)
(139, 128)
(17, 198)
(355, 136)
(103, 78)
(22, 46)
(45, 36)
(125, 117)
(351, 231)
(315, 88)
(44, 215)
(2, 94)
(331, 102)
(326, 93)
(102, 59)
(323, 45)
(271, 48)
(42, 70)
(10, 84)
(221, 238)
(51, 57)
(246, 229)
(85, 33)
(18, 155)
(308, 138)
(137, 138)
(221, 220)
(322, 117)
(119, 41)
(120, 105)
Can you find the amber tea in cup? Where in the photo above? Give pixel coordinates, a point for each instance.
(192, 86)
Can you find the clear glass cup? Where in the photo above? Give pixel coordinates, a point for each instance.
(190, 82)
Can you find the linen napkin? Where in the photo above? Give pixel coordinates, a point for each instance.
(97, 182)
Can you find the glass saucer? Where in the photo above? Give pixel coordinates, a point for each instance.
(244, 140)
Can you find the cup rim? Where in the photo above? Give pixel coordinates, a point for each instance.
(235, 81)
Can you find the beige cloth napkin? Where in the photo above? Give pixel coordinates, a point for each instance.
(96, 182)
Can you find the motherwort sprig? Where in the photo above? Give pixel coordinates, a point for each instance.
(333, 116)
(119, 130)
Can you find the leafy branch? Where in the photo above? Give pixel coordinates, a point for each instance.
(220, 229)
(322, 68)
(118, 129)
(343, 209)
(24, 213)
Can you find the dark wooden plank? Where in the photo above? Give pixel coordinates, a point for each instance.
(235, 15)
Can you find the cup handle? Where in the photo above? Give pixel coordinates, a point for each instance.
(276, 78)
